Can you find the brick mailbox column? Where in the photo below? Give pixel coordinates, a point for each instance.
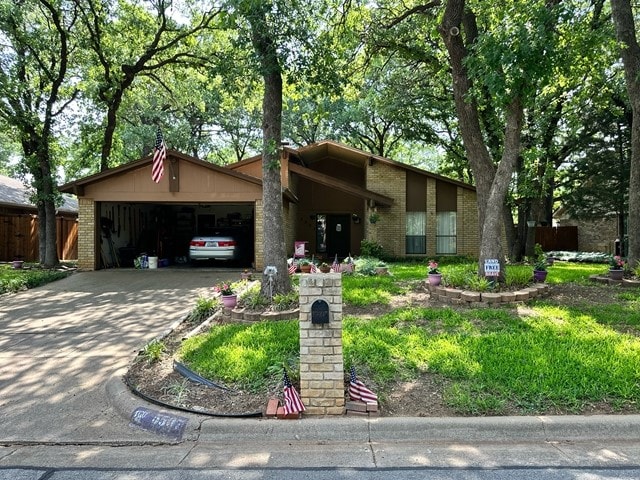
(321, 361)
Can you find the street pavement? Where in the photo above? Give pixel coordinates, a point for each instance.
(65, 413)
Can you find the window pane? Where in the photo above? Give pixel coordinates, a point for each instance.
(446, 233)
(416, 244)
(416, 241)
(416, 223)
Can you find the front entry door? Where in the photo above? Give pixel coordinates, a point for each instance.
(338, 235)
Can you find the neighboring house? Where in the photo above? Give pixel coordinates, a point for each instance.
(597, 235)
(19, 220)
(334, 196)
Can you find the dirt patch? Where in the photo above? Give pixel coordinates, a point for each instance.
(422, 397)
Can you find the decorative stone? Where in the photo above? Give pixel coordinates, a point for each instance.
(491, 297)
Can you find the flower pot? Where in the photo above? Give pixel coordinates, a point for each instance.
(325, 269)
(382, 271)
(305, 268)
(539, 276)
(229, 301)
(246, 275)
(17, 264)
(616, 274)
(434, 279)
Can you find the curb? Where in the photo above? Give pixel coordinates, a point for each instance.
(124, 402)
(344, 429)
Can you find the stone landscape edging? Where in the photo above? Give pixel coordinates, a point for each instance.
(625, 282)
(471, 298)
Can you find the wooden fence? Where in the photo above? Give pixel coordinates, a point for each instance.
(557, 238)
(19, 238)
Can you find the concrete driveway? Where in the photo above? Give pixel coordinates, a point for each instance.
(60, 343)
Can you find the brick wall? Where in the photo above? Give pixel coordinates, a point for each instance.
(390, 229)
(321, 359)
(467, 223)
(86, 233)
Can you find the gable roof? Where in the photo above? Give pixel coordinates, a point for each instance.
(329, 148)
(14, 193)
(77, 186)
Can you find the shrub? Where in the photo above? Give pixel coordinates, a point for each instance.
(288, 301)
(367, 265)
(369, 248)
(252, 299)
(203, 309)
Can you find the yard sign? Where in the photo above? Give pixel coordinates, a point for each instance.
(491, 267)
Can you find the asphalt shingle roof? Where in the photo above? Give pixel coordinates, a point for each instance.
(14, 193)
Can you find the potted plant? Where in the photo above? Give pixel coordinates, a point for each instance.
(246, 274)
(434, 275)
(539, 264)
(228, 295)
(616, 268)
(382, 268)
(324, 267)
(540, 270)
(305, 265)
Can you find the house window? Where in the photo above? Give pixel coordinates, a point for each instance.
(446, 236)
(416, 232)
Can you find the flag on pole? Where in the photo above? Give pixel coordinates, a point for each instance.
(314, 268)
(293, 267)
(335, 266)
(292, 402)
(159, 156)
(358, 391)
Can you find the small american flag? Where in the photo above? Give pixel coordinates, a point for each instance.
(314, 268)
(159, 156)
(292, 402)
(335, 266)
(357, 390)
(293, 267)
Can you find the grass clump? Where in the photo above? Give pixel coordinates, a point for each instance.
(12, 280)
(153, 351)
(204, 308)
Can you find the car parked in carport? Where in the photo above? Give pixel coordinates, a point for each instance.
(213, 247)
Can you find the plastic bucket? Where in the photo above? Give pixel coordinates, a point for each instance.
(153, 262)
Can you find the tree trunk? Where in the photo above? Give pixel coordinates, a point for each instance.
(491, 184)
(273, 216)
(626, 33)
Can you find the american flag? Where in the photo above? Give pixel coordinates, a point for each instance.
(335, 266)
(293, 267)
(159, 156)
(292, 402)
(357, 390)
(348, 266)
(314, 268)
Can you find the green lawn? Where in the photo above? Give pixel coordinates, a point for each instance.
(546, 356)
(15, 280)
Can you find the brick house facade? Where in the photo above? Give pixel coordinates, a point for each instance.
(331, 192)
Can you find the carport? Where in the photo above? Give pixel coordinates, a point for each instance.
(123, 213)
